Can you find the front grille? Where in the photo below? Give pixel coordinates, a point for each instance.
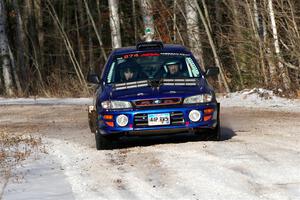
(141, 120)
(157, 102)
(177, 118)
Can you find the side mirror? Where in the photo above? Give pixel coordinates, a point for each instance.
(212, 71)
(93, 78)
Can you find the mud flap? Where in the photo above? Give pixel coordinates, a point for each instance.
(219, 133)
(92, 116)
(218, 116)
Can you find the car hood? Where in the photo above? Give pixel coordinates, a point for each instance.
(159, 92)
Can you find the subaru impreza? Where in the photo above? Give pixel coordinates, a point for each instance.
(150, 89)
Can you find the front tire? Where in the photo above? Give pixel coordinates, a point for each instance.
(215, 134)
(212, 134)
(103, 142)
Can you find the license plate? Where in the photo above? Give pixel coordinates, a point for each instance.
(158, 119)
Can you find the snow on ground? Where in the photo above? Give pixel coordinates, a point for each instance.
(38, 178)
(259, 98)
(258, 157)
(193, 170)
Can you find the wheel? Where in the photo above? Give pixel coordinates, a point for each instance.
(211, 134)
(215, 134)
(103, 142)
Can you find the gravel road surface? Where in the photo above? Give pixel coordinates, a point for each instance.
(258, 158)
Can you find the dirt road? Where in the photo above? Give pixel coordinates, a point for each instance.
(258, 158)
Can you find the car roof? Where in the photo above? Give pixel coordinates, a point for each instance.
(170, 48)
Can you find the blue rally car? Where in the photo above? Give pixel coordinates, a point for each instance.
(153, 88)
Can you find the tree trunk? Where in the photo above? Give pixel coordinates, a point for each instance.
(206, 15)
(68, 45)
(20, 43)
(14, 71)
(40, 31)
(97, 32)
(146, 9)
(4, 52)
(259, 33)
(213, 48)
(91, 51)
(81, 34)
(134, 18)
(33, 43)
(174, 20)
(114, 23)
(193, 31)
(282, 69)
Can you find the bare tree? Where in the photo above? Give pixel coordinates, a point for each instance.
(283, 71)
(193, 31)
(213, 48)
(68, 45)
(114, 23)
(4, 52)
(38, 15)
(98, 33)
(259, 31)
(20, 43)
(134, 18)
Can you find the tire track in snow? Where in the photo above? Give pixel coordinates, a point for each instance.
(140, 171)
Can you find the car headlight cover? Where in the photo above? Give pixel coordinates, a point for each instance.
(202, 98)
(122, 120)
(115, 104)
(195, 115)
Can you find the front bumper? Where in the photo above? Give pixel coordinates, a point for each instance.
(131, 128)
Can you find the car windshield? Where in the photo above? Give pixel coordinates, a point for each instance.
(144, 66)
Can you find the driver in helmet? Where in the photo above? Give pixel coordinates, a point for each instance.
(173, 69)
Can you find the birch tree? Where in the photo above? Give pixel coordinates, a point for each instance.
(260, 34)
(193, 31)
(282, 69)
(4, 52)
(114, 23)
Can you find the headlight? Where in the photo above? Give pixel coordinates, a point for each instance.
(202, 98)
(194, 115)
(122, 120)
(115, 104)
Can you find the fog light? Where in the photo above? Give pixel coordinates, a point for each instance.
(122, 120)
(195, 115)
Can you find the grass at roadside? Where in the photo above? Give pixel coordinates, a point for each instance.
(14, 149)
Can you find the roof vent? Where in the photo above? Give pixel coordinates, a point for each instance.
(154, 45)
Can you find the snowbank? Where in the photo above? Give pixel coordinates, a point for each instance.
(259, 98)
(256, 98)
